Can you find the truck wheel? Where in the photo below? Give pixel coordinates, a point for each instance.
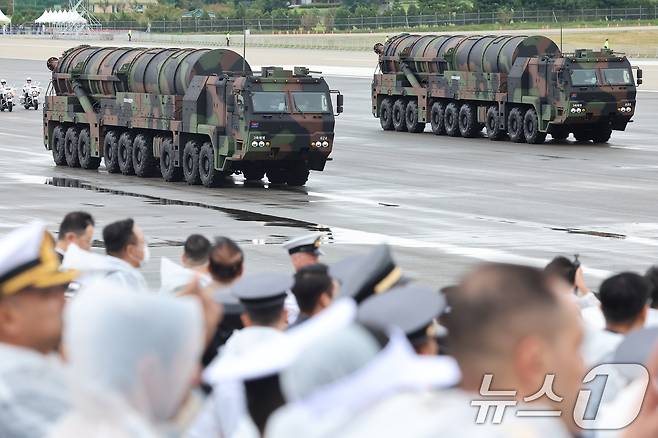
(601, 135)
(386, 114)
(297, 176)
(411, 118)
(253, 174)
(468, 124)
(515, 126)
(436, 118)
(71, 147)
(84, 151)
(399, 109)
(125, 154)
(191, 163)
(210, 177)
(531, 128)
(276, 176)
(170, 172)
(110, 151)
(57, 145)
(451, 120)
(144, 162)
(493, 127)
(559, 133)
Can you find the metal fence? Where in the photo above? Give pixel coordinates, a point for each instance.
(330, 23)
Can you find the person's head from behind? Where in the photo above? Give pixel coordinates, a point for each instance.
(652, 277)
(561, 274)
(226, 261)
(77, 227)
(196, 252)
(314, 288)
(506, 321)
(625, 300)
(272, 314)
(125, 240)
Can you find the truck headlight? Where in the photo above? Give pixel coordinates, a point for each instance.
(261, 143)
(573, 110)
(325, 144)
(254, 144)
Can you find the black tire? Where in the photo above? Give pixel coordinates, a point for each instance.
(87, 161)
(253, 174)
(10, 107)
(36, 106)
(276, 176)
(210, 177)
(601, 135)
(57, 145)
(190, 163)
(297, 175)
(583, 135)
(125, 153)
(386, 114)
(451, 120)
(399, 111)
(515, 126)
(559, 133)
(144, 162)
(71, 147)
(111, 151)
(492, 124)
(436, 118)
(169, 171)
(411, 118)
(468, 123)
(531, 130)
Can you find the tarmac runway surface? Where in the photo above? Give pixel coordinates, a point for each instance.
(443, 203)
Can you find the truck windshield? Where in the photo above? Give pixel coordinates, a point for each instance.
(269, 102)
(617, 76)
(583, 77)
(310, 102)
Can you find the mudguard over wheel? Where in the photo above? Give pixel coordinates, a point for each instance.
(169, 171)
(451, 120)
(436, 118)
(210, 177)
(493, 126)
(515, 126)
(71, 147)
(190, 163)
(411, 118)
(386, 114)
(87, 161)
(57, 145)
(125, 154)
(144, 161)
(531, 130)
(399, 119)
(111, 151)
(468, 124)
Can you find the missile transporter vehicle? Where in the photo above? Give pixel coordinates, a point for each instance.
(193, 114)
(517, 87)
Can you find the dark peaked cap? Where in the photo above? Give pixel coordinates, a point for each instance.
(263, 290)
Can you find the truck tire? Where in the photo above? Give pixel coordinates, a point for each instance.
(191, 163)
(531, 128)
(111, 152)
(468, 123)
(601, 135)
(515, 126)
(559, 133)
(436, 118)
(583, 135)
(399, 110)
(170, 172)
(276, 176)
(451, 120)
(71, 147)
(297, 176)
(87, 161)
(144, 162)
(411, 118)
(253, 173)
(494, 132)
(210, 177)
(386, 114)
(125, 154)
(57, 145)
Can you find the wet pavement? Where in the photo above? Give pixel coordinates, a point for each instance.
(444, 203)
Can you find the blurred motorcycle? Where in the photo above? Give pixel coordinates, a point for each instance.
(30, 97)
(7, 99)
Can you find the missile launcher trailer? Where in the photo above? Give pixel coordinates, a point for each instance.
(193, 114)
(516, 87)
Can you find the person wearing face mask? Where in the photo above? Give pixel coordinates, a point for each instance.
(127, 250)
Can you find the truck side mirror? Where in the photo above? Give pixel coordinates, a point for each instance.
(639, 76)
(561, 80)
(339, 103)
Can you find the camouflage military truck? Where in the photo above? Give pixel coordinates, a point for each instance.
(516, 87)
(193, 114)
